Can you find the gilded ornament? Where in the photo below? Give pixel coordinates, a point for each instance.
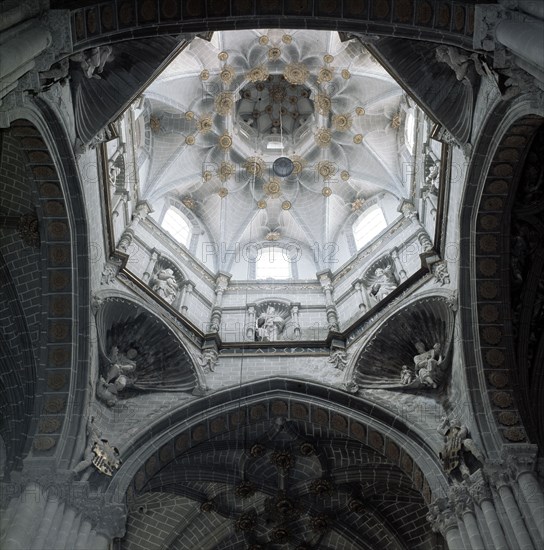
(287, 39)
(261, 204)
(345, 74)
(272, 188)
(342, 123)
(225, 141)
(204, 124)
(207, 175)
(188, 202)
(224, 102)
(225, 171)
(395, 121)
(272, 236)
(296, 73)
(344, 174)
(286, 205)
(222, 56)
(258, 74)
(326, 169)
(325, 75)
(360, 111)
(189, 115)
(357, 204)
(227, 74)
(254, 166)
(326, 191)
(274, 54)
(323, 137)
(190, 140)
(263, 40)
(154, 124)
(204, 74)
(298, 164)
(328, 58)
(358, 138)
(223, 192)
(323, 104)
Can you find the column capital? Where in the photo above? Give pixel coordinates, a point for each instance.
(519, 458)
(441, 517)
(479, 488)
(460, 499)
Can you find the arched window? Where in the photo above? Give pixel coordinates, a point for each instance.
(273, 263)
(369, 224)
(175, 224)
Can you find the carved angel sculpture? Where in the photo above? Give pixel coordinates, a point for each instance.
(426, 364)
(459, 61)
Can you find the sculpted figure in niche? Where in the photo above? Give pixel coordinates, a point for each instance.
(269, 325)
(426, 364)
(121, 374)
(385, 283)
(406, 375)
(460, 455)
(165, 285)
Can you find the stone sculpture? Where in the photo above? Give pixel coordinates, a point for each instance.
(458, 61)
(92, 61)
(460, 454)
(338, 358)
(269, 325)
(165, 285)
(121, 374)
(426, 364)
(384, 284)
(406, 375)
(98, 453)
(208, 360)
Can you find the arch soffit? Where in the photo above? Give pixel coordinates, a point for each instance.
(430, 20)
(295, 400)
(494, 172)
(65, 249)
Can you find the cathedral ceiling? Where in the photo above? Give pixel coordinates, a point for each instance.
(226, 109)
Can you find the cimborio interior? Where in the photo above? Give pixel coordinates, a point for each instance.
(272, 275)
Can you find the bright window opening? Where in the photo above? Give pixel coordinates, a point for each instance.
(175, 224)
(410, 131)
(369, 224)
(273, 263)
